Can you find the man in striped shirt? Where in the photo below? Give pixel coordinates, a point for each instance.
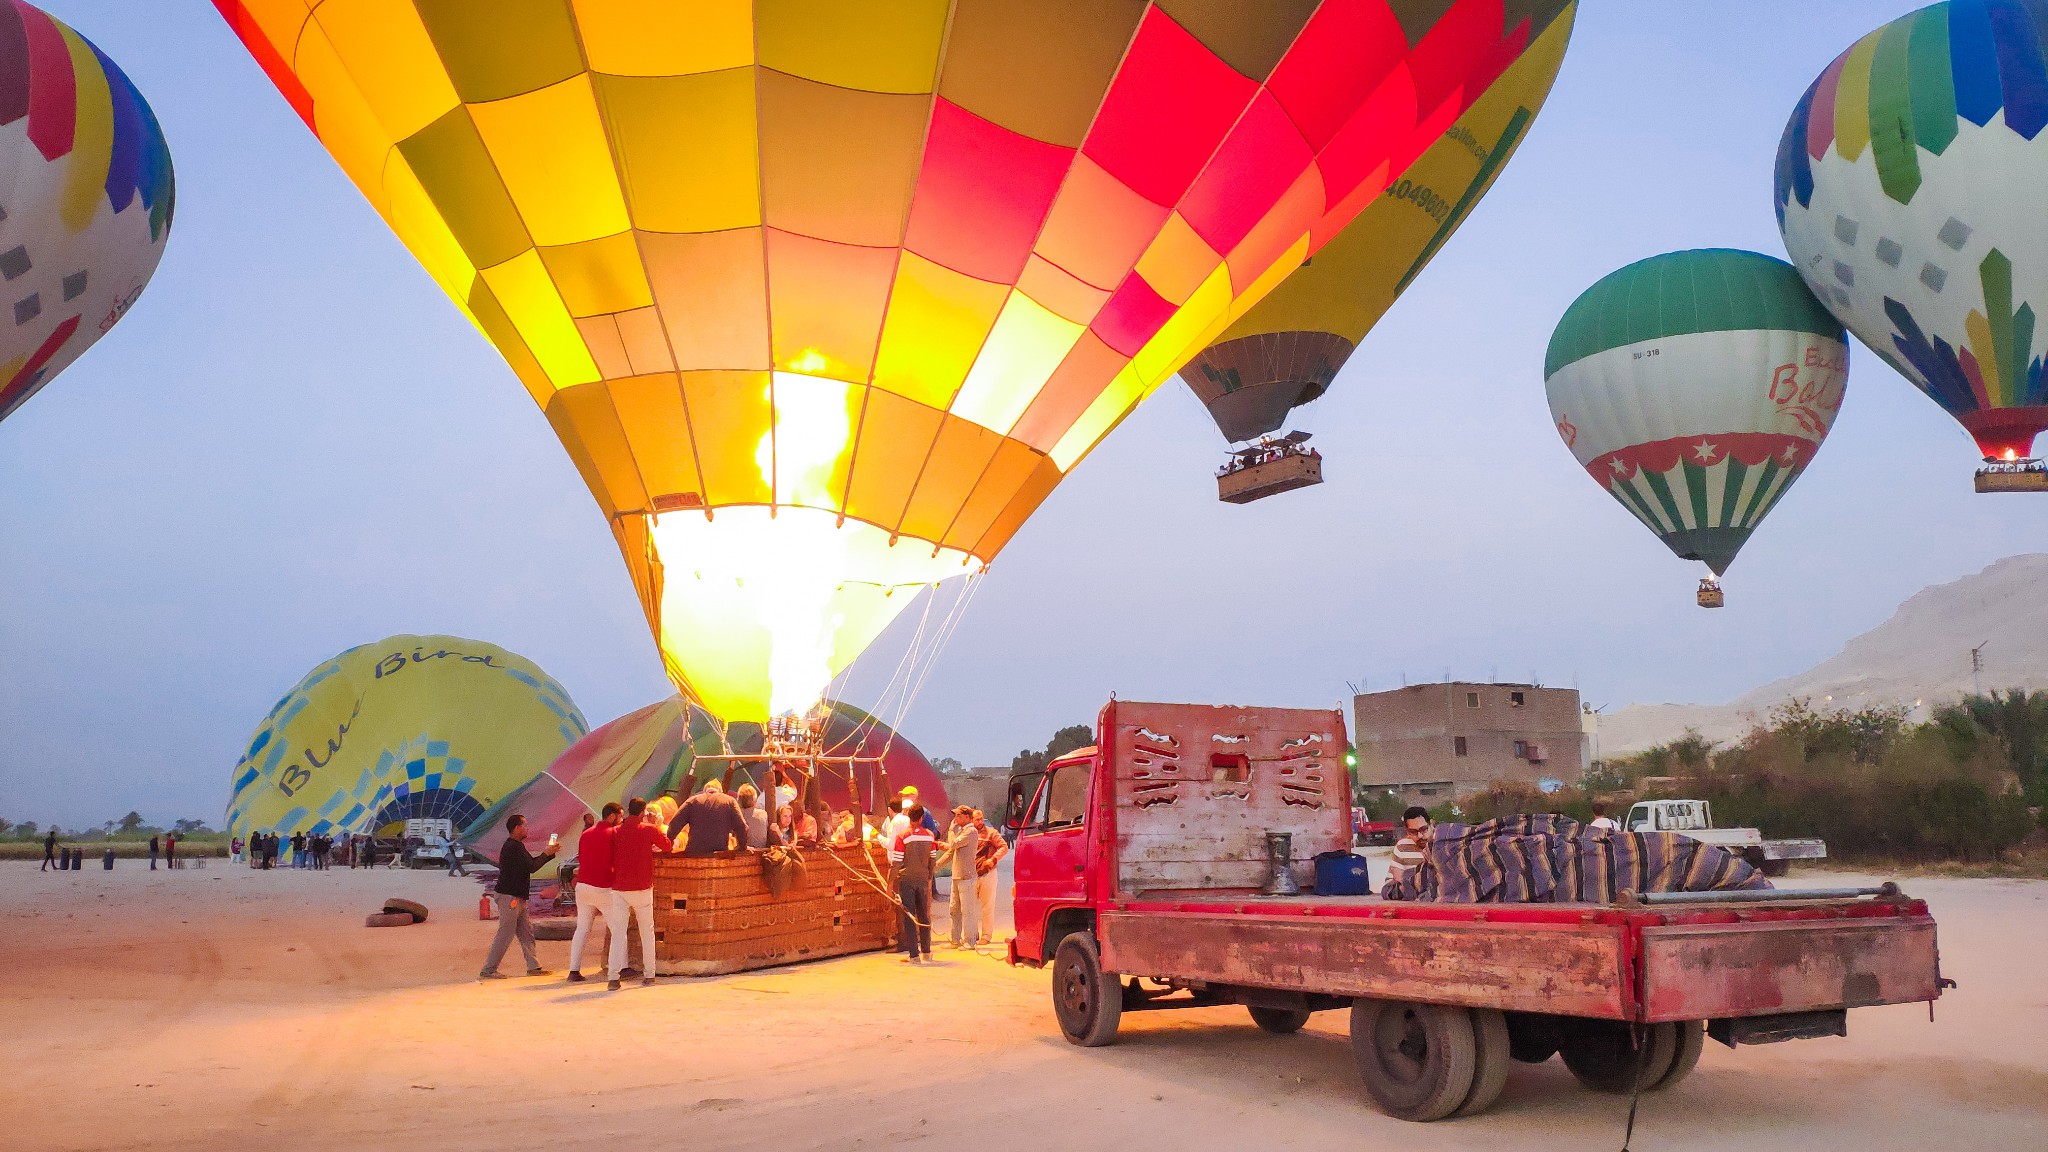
(1413, 847)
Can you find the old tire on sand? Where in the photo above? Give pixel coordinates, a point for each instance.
(1490, 1060)
(555, 928)
(1088, 1001)
(1278, 1021)
(388, 920)
(1604, 1055)
(412, 908)
(1416, 1060)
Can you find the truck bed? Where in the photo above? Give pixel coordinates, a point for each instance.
(1620, 962)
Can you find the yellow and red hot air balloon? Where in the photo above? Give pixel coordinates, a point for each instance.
(824, 297)
(88, 198)
(1287, 350)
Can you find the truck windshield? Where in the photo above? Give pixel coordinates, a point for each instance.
(1068, 792)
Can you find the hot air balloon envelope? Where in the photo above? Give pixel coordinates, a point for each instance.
(411, 727)
(1695, 387)
(1288, 348)
(824, 297)
(1908, 195)
(88, 202)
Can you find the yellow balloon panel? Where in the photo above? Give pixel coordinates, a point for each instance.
(968, 235)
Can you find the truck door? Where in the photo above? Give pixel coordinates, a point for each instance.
(1052, 852)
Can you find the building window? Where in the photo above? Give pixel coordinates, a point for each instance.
(1521, 749)
(1471, 699)
(1419, 791)
(1518, 698)
(1458, 745)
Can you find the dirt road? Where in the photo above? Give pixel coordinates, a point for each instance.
(221, 1008)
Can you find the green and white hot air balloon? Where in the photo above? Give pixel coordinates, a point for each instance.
(1695, 387)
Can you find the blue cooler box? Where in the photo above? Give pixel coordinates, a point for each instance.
(1341, 874)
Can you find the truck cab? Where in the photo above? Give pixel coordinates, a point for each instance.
(1669, 816)
(1171, 798)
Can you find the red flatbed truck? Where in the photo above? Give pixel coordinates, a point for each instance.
(1140, 864)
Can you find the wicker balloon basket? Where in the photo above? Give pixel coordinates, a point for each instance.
(715, 914)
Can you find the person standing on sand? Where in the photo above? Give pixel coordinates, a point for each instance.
(152, 853)
(593, 884)
(171, 850)
(49, 850)
(987, 855)
(961, 908)
(635, 844)
(912, 854)
(516, 867)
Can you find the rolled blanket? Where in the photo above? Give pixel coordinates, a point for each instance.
(1544, 859)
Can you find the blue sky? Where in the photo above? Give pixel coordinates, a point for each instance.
(294, 444)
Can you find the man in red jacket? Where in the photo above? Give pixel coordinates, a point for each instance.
(593, 885)
(635, 844)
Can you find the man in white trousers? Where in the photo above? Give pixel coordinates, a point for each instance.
(593, 885)
(635, 844)
(988, 854)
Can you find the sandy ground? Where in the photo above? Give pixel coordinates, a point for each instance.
(221, 1008)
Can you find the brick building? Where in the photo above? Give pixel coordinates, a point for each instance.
(1427, 743)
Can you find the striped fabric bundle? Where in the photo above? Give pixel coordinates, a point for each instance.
(1543, 859)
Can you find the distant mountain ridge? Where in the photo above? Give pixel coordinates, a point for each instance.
(1921, 655)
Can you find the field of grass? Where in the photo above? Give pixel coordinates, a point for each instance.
(123, 849)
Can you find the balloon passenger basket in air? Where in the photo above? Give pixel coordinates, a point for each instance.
(2013, 476)
(1268, 469)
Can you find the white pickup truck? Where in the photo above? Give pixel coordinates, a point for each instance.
(1695, 818)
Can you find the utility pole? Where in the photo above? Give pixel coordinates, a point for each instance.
(1977, 669)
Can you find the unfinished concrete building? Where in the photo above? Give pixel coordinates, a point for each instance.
(1427, 743)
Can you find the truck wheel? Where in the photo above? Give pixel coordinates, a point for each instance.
(1691, 1037)
(1278, 1021)
(412, 908)
(1088, 1001)
(1490, 1060)
(1416, 1059)
(1532, 1038)
(1754, 857)
(1777, 868)
(1604, 1055)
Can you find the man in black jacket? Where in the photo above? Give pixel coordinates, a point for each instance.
(516, 867)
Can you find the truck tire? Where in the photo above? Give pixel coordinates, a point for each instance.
(1605, 1057)
(1490, 1060)
(387, 920)
(1416, 1059)
(1088, 1001)
(1776, 868)
(1278, 1021)
(1754, 857)
(554, 928)
(1532, 1037)
(412, 908)
(1691, 1038)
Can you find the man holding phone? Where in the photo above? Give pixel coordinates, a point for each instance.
(516, 867)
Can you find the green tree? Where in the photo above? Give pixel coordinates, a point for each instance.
(129, 823)
(1063, 741)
